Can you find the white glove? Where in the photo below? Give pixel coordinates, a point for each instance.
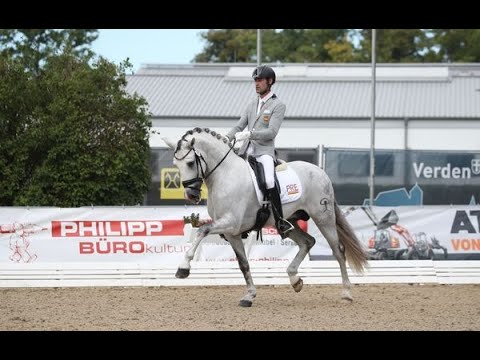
(244, 135)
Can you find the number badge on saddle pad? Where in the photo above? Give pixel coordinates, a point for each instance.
(266, 116)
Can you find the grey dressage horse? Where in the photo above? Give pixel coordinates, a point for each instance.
(204, 155)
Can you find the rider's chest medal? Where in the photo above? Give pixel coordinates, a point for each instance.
(266, 116)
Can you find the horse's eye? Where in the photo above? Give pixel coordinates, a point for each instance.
(190, 164)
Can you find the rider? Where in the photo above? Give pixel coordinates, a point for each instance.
(263, 116)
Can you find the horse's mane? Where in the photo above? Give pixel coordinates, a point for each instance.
(199, 130)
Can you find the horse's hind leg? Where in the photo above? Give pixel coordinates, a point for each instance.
(305, 242)
(327, 226)
(239, 249)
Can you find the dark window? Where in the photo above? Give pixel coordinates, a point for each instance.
(383, 164)
(154, 164)
(358, 164)
(354, 164)
(308, 155)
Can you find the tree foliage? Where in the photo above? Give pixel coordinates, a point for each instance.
(341, 45)
(393, 45)
(71, 135)
(455, 45)
(287, 45)
(308, 45)
(228, 45)
(33, 46)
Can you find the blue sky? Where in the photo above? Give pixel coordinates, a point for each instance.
(158, 46)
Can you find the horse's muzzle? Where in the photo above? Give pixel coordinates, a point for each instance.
(193, 190)
(193, 195)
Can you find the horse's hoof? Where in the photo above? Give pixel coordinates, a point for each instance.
(182, 273)
(298, 285)
(245, 303)
(347, 299)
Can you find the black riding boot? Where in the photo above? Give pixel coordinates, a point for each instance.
(283, 225)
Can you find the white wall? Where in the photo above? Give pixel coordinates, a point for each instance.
(444, 135)
(390, 134)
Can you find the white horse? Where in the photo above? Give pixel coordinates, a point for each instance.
(204, 155)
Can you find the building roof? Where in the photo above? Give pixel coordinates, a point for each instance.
(313, 91)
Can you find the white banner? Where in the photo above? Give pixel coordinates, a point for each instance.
(132, 234)
(411, 232)
(158, 235)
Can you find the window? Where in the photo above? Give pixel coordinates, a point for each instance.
(358, 164)
(353, 164)
(294, 154)
(383, 164)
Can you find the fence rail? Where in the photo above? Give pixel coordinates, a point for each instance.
(228, 273)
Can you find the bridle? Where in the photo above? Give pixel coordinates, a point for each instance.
(196, 182)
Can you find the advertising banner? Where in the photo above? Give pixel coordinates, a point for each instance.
(132, 234)
(411, 232)
(160, 236)
(405, 177)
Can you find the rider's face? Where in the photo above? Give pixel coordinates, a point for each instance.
(261, 86)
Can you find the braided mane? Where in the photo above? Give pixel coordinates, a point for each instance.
(200, 130)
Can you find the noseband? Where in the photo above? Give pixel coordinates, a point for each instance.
(196, 183)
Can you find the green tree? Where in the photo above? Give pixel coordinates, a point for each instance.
(34, 46)
(228, 45)
(341, 51)
(393, 45)
(17, 103)
(285, 45)
(455, 45)
(307, 45)
(341, 45)
(71, 135)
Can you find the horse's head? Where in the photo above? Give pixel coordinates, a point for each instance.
(190, 161)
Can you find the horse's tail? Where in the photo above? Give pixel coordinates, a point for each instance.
(354, 251)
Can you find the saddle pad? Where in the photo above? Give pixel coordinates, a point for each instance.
(290, 186)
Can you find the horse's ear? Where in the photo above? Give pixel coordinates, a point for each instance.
(171, 144)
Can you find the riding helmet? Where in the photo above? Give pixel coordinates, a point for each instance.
(264, 72)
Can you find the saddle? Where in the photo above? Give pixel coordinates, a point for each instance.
(264, 212)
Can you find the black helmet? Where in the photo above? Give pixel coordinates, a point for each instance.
(264, 72)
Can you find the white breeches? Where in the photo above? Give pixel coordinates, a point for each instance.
(268, 168)
(267, 162)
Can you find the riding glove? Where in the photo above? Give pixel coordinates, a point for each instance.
(244, 135)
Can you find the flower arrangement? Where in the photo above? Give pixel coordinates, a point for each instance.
(193, 219)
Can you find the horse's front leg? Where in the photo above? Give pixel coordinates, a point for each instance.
(220, 226)
(184, 268)
(239, 249)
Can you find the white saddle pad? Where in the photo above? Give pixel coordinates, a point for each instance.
(290, 186)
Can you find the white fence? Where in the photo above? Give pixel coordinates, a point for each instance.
(228, 273)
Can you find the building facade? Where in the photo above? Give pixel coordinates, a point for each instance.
(421, 110)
